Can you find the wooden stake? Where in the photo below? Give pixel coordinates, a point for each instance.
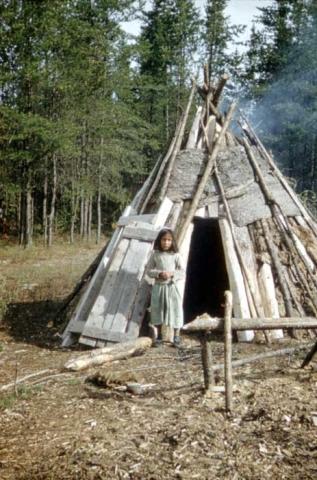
(309, 356)
(206, 358)
(228, 350)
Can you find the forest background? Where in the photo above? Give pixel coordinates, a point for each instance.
(86, 109)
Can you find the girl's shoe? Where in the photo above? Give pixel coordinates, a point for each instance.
(177, 341)
(158, 342)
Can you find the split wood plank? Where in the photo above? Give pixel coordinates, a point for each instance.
(142, 300)
(107, 335)
(210, 131)
(240, 301)
(174, 215)
(134, 291)
(193, 134)
(269, 300)
(213, 209)
(79, 317)
(96, 318)
(248, 256)
(140, 231)
(201, 212)
(132, 273)
(117, 301)
(146, 218)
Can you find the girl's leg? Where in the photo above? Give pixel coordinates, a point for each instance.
(159, 339)
(159, 332)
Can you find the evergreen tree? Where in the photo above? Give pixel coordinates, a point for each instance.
(68, 129)
(220, 36)
(285, 90)
(168, 43)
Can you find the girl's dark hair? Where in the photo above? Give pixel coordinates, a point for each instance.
(157, 243)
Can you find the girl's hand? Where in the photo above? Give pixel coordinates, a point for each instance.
(165, 275)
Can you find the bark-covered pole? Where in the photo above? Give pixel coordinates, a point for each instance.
(204, 179)
(228, 350)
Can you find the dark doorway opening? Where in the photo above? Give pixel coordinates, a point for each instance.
(206, 273)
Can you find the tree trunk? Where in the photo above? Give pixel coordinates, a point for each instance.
(89, 222)
(81, 230)
(44, 213)
(98, 231)
(51, 216)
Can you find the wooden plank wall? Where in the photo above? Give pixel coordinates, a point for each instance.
(120, 306)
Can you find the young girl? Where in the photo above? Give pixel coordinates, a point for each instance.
(165, 266)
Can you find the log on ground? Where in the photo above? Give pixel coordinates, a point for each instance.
(109, 354)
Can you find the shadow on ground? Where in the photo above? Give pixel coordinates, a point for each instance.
(34, 322)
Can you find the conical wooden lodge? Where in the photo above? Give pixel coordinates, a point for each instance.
(239, 225)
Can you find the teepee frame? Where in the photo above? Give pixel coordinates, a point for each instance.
(270, 249)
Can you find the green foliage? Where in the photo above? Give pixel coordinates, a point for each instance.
(66, 94)
(218, 35)
(167, 48)
(283, 83)
(23, 392)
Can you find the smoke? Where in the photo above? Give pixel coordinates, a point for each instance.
(286, 116)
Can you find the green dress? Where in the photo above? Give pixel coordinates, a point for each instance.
(166, 299)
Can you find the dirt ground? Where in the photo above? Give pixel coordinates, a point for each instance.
(58, 425)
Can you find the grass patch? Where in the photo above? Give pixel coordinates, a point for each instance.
(39, 273)
(74, 381)
(24, 392)
(7, 401)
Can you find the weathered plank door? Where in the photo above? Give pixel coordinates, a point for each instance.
(119, 307)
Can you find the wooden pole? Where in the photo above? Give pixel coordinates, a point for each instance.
(250, 132)
(178, 142)
(228, 350)
(277, 212)
(262, 356)
(220, 86)
(202, 184)
(245, 270)
(309, 356)
(205, 322)
(206, 358)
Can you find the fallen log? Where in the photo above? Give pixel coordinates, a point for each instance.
(262, 356)
(205, 322)
(109, 354)
(21, 380)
